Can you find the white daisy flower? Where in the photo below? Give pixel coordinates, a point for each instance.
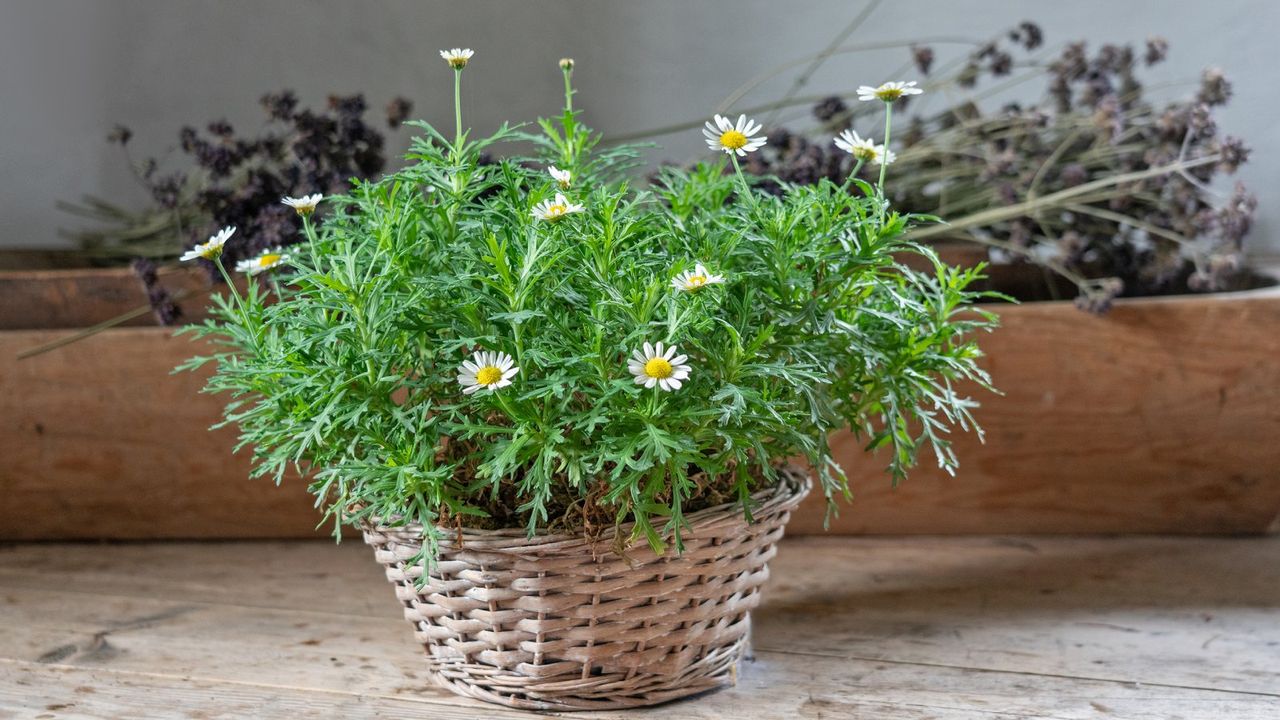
(457, 57)
(552, 210)
(564, 177)
(212, 248)
(304, 205)
(883, 156)
(263, 262)
(566, 63)
(486, 371)
(733, 137)
(889, 91)
(860, 148)
(695, 279)
(654, 365)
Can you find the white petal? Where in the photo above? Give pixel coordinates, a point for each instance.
(648, 351)
(506, 376)
(642, 380)
(650, 382)
(673, 383)
(677, 360)
(470, 390)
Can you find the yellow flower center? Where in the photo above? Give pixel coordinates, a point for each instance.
(556, 211)
(888, 94)
(488, 375)
(696, 281)
(657, 368)
(732, 139)
(864, 153)
(457, 62)
(268, 260)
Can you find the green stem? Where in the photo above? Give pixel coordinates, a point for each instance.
(746, 189)
(506, 407)
(888, 121)
(244, 314)
(308, 230)
(853, 174)
(570, 127)
(457, 112)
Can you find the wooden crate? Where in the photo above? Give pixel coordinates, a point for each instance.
(77, 297)
(1161, 417)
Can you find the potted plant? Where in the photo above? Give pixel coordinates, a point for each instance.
(563, 410)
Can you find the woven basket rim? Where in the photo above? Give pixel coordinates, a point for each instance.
(793, 486)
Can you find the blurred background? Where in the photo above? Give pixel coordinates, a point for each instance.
(75, 68)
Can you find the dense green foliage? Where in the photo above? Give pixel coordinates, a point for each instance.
(345, 364)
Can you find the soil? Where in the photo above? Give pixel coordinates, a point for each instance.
(575, 513)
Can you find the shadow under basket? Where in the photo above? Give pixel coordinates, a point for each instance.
(558, 622)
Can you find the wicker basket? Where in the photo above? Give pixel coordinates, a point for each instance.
(558, 622)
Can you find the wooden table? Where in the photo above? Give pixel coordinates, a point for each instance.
(956, 628)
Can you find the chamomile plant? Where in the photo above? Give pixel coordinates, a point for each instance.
(541, 342)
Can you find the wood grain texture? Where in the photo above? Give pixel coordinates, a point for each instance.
(83, 297)
(1160, 417)
(100, 440)
(960, 628)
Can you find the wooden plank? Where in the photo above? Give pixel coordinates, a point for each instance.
(773, 687)
(102, 441)
(1160, 417)
(152, 636)
(1135, 610)
(83, 297)
(33, 690)
(1157, 418)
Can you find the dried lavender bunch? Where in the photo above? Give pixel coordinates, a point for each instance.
(238, 180)
(1163, 233)
(806, 158)
(162, 302)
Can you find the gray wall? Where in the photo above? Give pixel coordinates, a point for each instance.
(72, 68)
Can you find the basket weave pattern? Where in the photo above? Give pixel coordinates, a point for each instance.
(560, 622)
